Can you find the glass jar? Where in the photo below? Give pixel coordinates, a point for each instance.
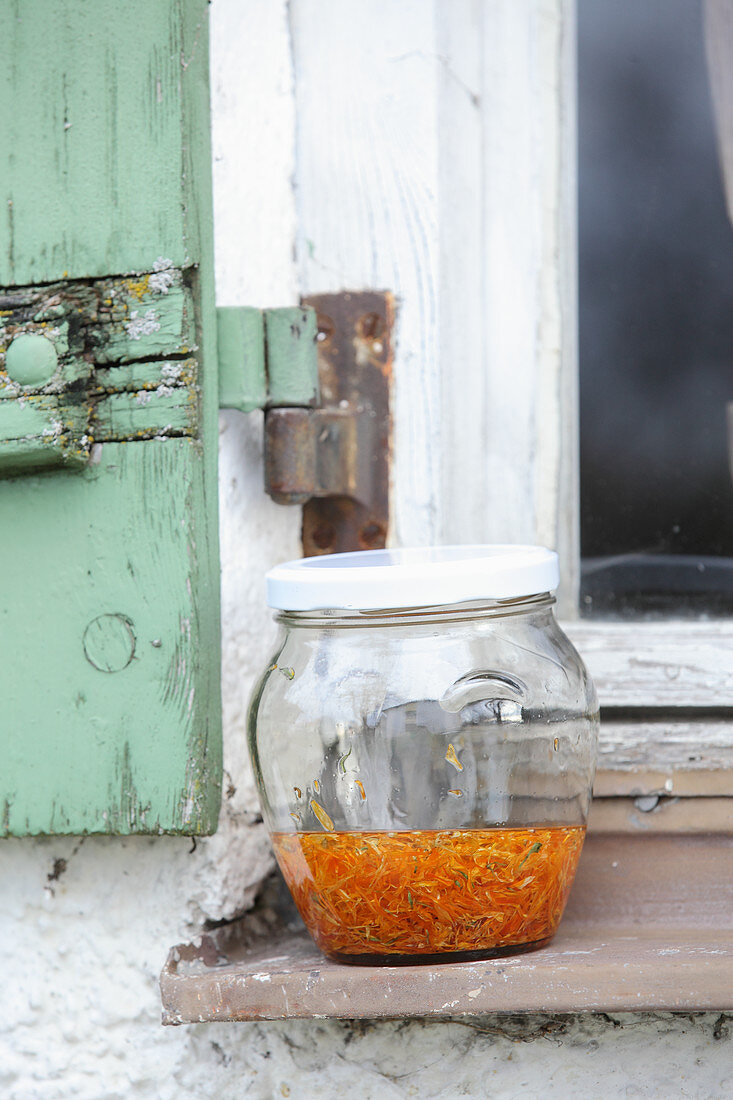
(424, 742)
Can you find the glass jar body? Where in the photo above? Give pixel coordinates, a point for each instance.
(425, 776)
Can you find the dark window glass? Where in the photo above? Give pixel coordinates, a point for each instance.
(656, 316)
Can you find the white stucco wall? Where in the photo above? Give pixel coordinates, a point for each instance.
(83, 941)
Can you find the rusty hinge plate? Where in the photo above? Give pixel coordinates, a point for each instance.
(334, 459)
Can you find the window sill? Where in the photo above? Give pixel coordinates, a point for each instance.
(649, 926)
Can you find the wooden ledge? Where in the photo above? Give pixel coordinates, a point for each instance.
(649, 926)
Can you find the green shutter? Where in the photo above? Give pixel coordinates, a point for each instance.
(109, 588)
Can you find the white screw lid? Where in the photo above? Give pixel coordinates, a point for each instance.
(373, 580)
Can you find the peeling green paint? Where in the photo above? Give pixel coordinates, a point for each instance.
(267, 358)
(87, 550)
(292, 361)
(107, 250)
(241, 344)
(93, 99)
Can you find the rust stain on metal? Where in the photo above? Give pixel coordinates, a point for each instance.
(336, 459)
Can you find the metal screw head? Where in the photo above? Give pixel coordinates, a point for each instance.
(31, 359)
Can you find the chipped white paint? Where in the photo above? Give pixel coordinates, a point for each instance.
(450, 180)
(378, 200)
(367, 93)
(668, 664)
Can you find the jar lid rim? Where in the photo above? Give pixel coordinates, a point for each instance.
(426, 576)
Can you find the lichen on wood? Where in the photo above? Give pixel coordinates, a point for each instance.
(126, 369)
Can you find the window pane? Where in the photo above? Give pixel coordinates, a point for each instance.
(656, 316)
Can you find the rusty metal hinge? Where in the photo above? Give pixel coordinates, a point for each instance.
(334, 458)
(322, 373)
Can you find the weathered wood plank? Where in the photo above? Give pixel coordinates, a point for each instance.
(665, 664)
(86, 747)
(371, 83)
(54, 422)
(666, 743)
(146, 324)
(241, 344)
(43, 431)
(101, 321)
(599, 969)
(451, 135)
(665, 782)
(111, 719)
(92, 123)
(149, 375)
(161, 413)
(507, 186)
(667, 756)
(677, 816)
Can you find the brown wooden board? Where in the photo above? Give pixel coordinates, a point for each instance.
(649, 926)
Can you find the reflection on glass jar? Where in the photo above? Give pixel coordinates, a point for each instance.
(425, 768)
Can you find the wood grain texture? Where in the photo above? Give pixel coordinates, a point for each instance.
(98, 321)
(449, 177)
(667, 756)
(671, 815)
(603, 969)
(666, 781)
(110, 607)
(366, 86)
(254, 109)
(86, 749)
(507, 295)
(92, 122)
(666, 693)
(163, 413)
(629, 941)
(98, 329)
(663, 664)
(42, 432)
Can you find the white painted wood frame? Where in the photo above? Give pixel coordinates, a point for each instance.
(428, 148)
(436, 158)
